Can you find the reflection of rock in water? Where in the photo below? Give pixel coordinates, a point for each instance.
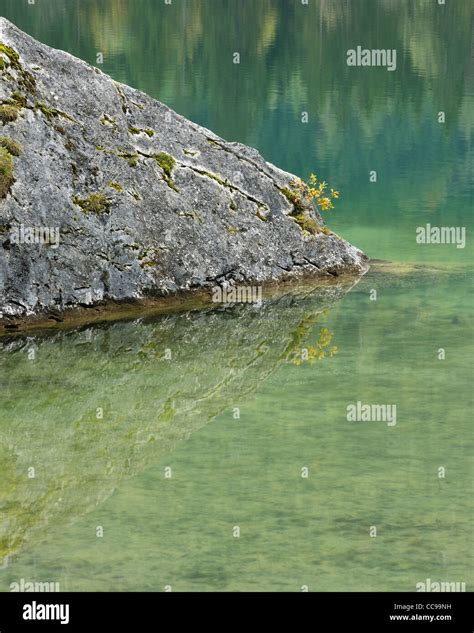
(49, 406)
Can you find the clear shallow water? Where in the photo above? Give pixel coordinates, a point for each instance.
(179, 413)
(245, 472)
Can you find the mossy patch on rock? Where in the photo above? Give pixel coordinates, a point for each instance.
(294, 199)
(137, 130)
(305, 223)
(132, 159)
(25, 78)
(115, 185)
(96, 203)
(167, 164)
(309, 225)
(13, 147)
(6, 172)
(11, 54)
(17, 99)
(50, 113)
(10, 108)
(8, 113)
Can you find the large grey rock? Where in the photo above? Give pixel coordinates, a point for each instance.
(219, 217)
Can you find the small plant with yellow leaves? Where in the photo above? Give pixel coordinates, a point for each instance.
(302, 195)
(314, 191)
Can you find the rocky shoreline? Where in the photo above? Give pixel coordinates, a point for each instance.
(106, 312)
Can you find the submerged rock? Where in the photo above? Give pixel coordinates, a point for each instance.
(107, 194)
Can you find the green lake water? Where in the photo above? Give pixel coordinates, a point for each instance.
(165, 434)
